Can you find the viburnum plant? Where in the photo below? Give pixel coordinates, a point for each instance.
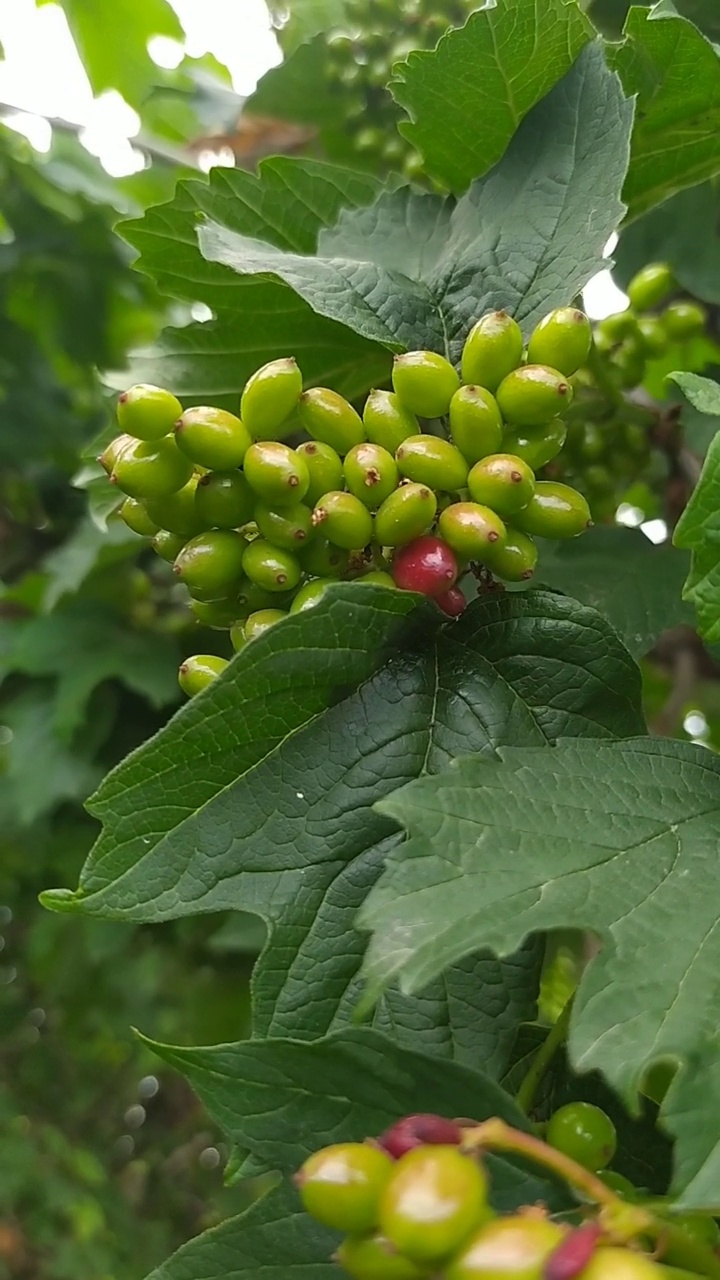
(484, 1037)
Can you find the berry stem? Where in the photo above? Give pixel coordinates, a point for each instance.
(556, 1037)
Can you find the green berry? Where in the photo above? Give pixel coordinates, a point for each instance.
(650, 286)
(270, 396)
(618, 1183)
(493, 348)
(177, 512)
(424, 382)
(470, 529)
(503, 482)
(377, 578)
(584, 1133)
(198, 672)
(168, 545)
(211, 564)
(653, 335)
(328, 417)
(224, 500)
(251, 598)
(341, 1185)
(554, 511)
(698, 1227)
(147, 412)
(533, 395)
(536, 445)
(628, 363)
(682, 320)
(277, 474)
(406, 514)
(512, 1248)
(344, 520)
(290, 528)
(151, 469)
(516, 560)
(212, 438)
(611, 1262)
(270, 567)
(320, 559)
(238, 639)
(137, 518)
(113, 451)
(325, 469)
(371, 473)
(593, 444)
(476, 424)
(598, 479)
(561, 340)
(435, 1196)
(373, 1258)
(257, 623)
(387, 421)
(432, 461)
(309, 594)
(622, 324)
(217, 614)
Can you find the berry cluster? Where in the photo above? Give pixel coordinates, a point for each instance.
(255, 527)
(414, 1203)
(360, 57)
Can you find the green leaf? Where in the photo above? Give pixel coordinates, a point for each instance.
(415, 270)
(611, 837)
(675, 73)
(121, 60)
(467, 97)
(703, 393)
(39, 772)
(682, 232)
(635, 585)
(88, 548)
(698, 528)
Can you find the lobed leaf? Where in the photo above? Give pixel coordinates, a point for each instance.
(698, 528)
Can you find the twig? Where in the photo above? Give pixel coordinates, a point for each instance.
(556, 1036)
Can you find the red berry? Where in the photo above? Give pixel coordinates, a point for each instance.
(573, 1253)
(427, 565)
(417, 1131)
(452, 602)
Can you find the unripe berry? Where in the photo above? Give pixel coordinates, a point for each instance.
(198, 672)
(212, 563)
(219, 615)
(137, 518)
(373, 1258)
(177, 512)
(584, 1133)
(471, 529)
(269, 398)
(387, 421)
(650, 286)
(533, 395)
(682, 320)
(310, 594)
(427, 565)
(258, 623)
(432, 461)
(424, 382)
(516, 1247)
(421, 1129)
(321, 559)
(502, 482)
(493, 348)
(325, 469)
(561, 340)
(622, 324)
(290, 528)
(452, 602)
(153, 469)
(476, 424)
(628, 363)
(536, 445)
(371, 473)
(407, 513)
(113, 451)
(330, 418)
(615, 1263)
(147, 412)
(168, 545)
(343, 520)
(251, 598)
(270, 567)
(435, 1196)
(224, 500)
(516, 560)
(212, 438)
(653, 335)
(377, 578)
(277, 474)
(341, 1185)
(554, 511)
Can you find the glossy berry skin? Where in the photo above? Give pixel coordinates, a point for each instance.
(493, 348)
(341, 1185)
(198, 672)
(325, 469)
(650, 286)
(427, 565)
(533, 395)
(113, 451)
(452, 602)
(310, 594)
(682, 320)
(219, 615)
(224, 500)
(277, 474)
(270, 567)
(471, 529)
(584, 1133)
(343, 520)
(147, 412)
(421, 1129)
(372, 1258)
(435, 1197)
(424, 382)
(432, 461)
(330, 418)
(502, 482)
(371, 473)
(251, 597)
(554, 511)
(476, 424)
(168, 545)
(212, 438)
(212, 563)
(516, 560)
(536, 445)
(407, 513)
(513, 1248)
(258, 623)
(290, 528)
(137, 518)
(177, 512)
(269, 398)
(152, 469)
(614, 1263)
(387, 421)
(321, 559)
(618, 1183)
(562, 340)
(377, 578)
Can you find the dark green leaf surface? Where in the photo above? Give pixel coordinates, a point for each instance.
(416, 270)
(467, 97)
(698, 529)
(683, 232)
(608, 837)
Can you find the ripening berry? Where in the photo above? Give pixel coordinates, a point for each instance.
(452, 602)
(533, 395)
(561, 340)
(424, 382)
(476, 424)
(325, 469)
(330, 418)
(584, 1133)
(198, 672)
(341, 1185)
(433, 1199)
(387, 421)
(554, 511)
(502, 482)
(650, 286)
(147, 412)
(276, 473)
(212, 438)
(407, 513)
(572, 1254)
(427, 565)
(269, 398)
(422, 1129)
(432, 461)
(514, 1247)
